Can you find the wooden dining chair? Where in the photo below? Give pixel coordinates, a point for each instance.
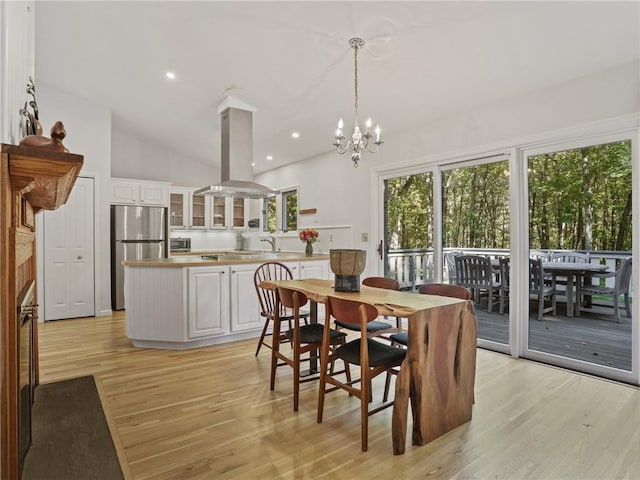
(372, 356)
(305, 339)
(376, 328)
(441, 289)
(271, 271)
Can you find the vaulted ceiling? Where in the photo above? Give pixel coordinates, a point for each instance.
(292, 62)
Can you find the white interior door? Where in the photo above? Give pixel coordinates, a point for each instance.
(69, 256)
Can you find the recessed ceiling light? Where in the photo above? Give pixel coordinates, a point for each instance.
(295, 135)
(253, 164)
(170, 75)
(269, 157)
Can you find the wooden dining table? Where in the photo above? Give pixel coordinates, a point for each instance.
(438, 374)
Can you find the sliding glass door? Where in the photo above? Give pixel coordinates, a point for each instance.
(476, 221)
(580, 227)
(408, 229)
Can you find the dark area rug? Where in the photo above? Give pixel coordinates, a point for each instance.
(71, 438)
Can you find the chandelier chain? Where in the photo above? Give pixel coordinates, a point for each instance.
(355, 69)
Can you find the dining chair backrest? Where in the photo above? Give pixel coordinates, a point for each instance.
(445, 290)
(473, 271)
(544, 256)
(569, 257)
(623, 275)
(291, 298)
(269, 271)
(450, 258)
(349, 311)
(382, 282)
(505, 272)
(536, 275)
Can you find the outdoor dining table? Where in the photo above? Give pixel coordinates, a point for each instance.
(438, 373)
(570, 270)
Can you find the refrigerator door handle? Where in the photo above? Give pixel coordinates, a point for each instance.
(140, 241)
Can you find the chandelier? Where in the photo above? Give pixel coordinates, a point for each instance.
(359, 141)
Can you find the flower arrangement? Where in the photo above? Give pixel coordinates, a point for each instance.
(308, 235)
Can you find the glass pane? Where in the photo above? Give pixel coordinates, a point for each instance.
(580, 223)
(269, 215)
(176, 209)
(475, 218)
(290, 213)
(218, 215)
(409, 229)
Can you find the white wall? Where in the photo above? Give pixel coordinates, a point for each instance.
(88, 128)
(132, 158)
(17, 59)
(342, 194)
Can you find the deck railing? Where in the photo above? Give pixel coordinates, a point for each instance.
(415, 267)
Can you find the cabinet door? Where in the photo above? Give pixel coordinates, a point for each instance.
(245, 308)
(218, 212)
(199, 211)
(314, 269)
(178, 210)
(125, 192)
(239, 210)
(208, 290)
(154, 194)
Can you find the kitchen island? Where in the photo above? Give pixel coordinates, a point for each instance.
(188, 301)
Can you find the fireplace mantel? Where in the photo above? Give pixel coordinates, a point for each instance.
(31, 179)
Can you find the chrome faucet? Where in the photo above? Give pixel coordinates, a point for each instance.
(271, 241)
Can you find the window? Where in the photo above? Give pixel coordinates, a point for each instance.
(269, 215)
(290, 210)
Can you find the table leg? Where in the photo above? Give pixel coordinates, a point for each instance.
(400, 409)
(569, 295)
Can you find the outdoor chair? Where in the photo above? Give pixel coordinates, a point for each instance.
(621, 287)
(475, 273)
(372, 356)
(272, 271)
(305, 339)
(541, 287)
(450, 258)
(566, 256)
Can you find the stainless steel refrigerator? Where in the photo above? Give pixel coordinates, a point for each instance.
(136, 233)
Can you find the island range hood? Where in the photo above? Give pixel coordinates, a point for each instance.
(236, 148)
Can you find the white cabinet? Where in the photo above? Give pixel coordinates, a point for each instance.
(314, 269)
(187, 210)
(229, 212)
(245, 307)
(208, 303)
(139, 192)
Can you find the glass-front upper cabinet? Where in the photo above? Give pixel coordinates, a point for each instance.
(238, 212)
(198, 211)
(228, 212)
(178, 209)
(219, 212)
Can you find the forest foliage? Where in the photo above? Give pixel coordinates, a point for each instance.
(578, 199)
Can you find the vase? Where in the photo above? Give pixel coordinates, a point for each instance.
(308, 251)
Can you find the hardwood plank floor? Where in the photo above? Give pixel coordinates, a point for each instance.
(208, 413)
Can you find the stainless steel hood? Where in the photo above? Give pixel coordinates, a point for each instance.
(236, 148)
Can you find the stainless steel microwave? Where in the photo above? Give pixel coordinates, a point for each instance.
(180, 244)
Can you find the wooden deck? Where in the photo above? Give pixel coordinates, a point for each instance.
(593, 338)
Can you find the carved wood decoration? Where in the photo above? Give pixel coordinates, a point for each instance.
(31, 179)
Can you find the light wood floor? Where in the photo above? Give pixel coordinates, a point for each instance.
(208, 413)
